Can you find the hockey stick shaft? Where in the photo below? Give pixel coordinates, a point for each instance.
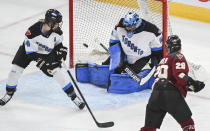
(102, 125)
(132, 74)
(104, 47)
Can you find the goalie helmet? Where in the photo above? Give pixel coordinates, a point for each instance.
(132, 20)
(173, 44)
(52, 17)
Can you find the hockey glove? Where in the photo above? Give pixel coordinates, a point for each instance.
(198, 86)
(47, 67)
(193, 85)
(61, 53)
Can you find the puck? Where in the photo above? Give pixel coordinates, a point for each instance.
(85, 45)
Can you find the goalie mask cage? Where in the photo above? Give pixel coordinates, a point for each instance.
(91, 22)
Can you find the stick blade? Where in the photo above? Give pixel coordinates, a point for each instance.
(106, 124)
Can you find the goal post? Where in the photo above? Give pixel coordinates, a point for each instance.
(91, 22)
(71, 31)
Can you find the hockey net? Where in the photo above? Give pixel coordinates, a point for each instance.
(91, 23)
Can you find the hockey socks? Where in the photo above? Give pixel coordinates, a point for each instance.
(148, 129)
(188, 125)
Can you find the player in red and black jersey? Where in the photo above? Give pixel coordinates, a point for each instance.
(170, 88)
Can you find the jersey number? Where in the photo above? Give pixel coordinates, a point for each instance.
(180, 65)
(162, 71)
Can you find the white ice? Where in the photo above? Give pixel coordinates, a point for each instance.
(40, 105)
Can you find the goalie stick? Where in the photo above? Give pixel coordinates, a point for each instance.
(101, 125)
(130, 72)
(138, 78)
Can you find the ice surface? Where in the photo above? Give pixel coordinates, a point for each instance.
(40, 104)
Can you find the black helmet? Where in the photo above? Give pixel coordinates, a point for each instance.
(173, 44)
(52, 17)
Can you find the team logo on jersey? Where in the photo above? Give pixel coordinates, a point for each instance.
(27, 43)
(43, 47)
(131, 45)
(180, 56)
(28, 32)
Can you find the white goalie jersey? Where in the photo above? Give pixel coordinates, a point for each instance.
(146, 38)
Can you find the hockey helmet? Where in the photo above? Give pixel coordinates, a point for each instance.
(173, 44)
(52, 17)
(132, 19)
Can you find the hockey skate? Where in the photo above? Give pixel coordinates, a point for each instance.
(5, 99)
(77, 101)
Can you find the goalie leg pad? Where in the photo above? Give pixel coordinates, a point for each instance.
(123, 84)
(92, 73)
(82, 72)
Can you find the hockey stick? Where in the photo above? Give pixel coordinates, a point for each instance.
(101, 125)
(131, 73)
(138, 78)
(95, 51)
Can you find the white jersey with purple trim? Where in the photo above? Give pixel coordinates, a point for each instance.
(38, 42)
(145, 39)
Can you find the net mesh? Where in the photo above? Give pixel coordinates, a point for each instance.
(93, 21)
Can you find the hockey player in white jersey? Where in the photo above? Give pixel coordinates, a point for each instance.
(140, 41)
(43, 44)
